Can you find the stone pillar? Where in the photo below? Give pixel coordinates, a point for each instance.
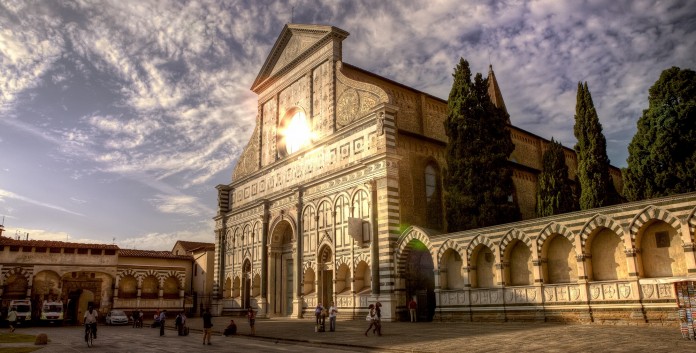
(374, 239)
(297, 255)
(263, 303)
(116, 282)
(632, 263)
(689, 249)
(583, 286)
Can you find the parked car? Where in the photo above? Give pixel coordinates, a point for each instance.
(116, 317)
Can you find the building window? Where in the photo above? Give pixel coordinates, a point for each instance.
(433, 197)
(294, 133)
(662, 239)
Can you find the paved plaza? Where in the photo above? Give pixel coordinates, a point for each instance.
(276, 335)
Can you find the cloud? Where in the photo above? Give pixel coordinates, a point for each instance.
(10, 195)
(44, 234)
(179, 204)
(166, 241)
(25, 55)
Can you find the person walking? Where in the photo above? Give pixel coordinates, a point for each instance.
(251, 315)
(332, 317)
(412, 306)
(162, 319)
(371, 318)
(378, 319)
(317, 314)
(12, 319)
(136, 317)
(177, 324)
(184, 329)
(207, 326)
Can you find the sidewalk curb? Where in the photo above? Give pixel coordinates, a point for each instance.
(313, 342)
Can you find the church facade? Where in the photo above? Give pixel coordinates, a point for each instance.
(338, 198)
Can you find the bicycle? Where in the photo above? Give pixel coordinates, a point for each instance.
(89, 334)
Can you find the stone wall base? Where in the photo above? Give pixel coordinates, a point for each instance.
(603, 316)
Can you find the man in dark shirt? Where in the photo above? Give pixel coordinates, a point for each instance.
(207, 325)
(162, 318)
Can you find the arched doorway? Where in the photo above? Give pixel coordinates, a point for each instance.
(280, 270)
(246, 286)
(420, 278)
(81, 289)
(326, 271)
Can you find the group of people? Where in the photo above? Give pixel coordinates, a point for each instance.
(321, 313)
(137, 318)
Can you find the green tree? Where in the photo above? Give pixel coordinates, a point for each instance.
(554, 191)
(662, 155)
(596, 186)
(478, 181)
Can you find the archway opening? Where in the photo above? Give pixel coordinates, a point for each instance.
(326, 272)
(280, 270)
(246, 284)
(420, 278)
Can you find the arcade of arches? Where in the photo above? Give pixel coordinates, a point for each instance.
(92, 274)
(617, 265)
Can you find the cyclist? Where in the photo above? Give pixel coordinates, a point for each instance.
(91, 321)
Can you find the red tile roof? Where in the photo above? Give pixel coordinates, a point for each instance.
(194, 245)
(152, 254)
(54, 244)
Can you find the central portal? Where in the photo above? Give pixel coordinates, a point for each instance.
(281, 281)
(325, 282)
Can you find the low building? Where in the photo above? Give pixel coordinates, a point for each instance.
(102, 275)
(203, 255)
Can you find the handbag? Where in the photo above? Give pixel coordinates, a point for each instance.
(368, 317)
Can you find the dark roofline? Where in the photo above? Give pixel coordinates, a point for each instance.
(159, 254)
(55, 244)
(445, 102)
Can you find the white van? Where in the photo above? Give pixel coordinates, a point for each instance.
(51, 312)
(23, 309)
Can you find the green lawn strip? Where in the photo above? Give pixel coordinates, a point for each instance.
(19, 349)
(16, 338)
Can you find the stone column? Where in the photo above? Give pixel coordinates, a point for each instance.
(297, 255)
(689, 249)
(374, 239)
(116, 288)
(263, 303)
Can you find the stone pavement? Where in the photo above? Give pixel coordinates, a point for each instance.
(467, 336)
(397, 337)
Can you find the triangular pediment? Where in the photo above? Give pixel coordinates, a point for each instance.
(295, 42)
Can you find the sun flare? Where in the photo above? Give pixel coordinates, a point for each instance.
(297, 133)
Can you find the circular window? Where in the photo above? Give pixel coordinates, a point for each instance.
(295, 132)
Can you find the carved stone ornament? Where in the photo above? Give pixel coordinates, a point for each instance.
(249, 160)
(355, 98)
(347, 107)
(648, 290)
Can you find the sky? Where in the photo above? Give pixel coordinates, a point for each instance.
(119, 118)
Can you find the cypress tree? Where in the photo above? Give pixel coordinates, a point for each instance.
(662, 154)
(478, 182)
(554, 191)
(596, 186)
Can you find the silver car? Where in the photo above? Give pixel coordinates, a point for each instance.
(116, 317)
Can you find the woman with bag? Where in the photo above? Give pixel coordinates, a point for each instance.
(371, 318)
